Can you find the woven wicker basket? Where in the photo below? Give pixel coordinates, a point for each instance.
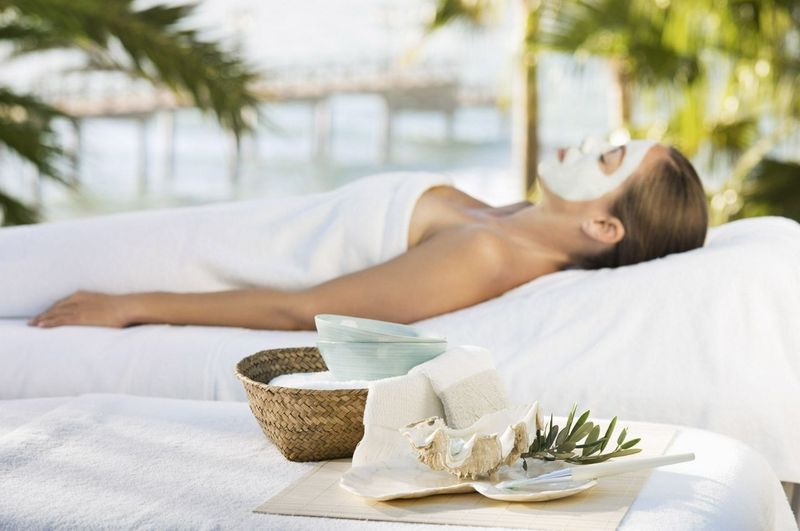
(305, 424)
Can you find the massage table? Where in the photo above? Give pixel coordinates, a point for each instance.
(107, 461)
(706, 339)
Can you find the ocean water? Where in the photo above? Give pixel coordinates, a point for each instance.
(279, 159)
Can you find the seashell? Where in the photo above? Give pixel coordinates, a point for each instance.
(494, 440)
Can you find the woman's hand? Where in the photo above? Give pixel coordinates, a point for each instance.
(89, 309)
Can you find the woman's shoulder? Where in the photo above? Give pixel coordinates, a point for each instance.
(500, 253)
(444, 208)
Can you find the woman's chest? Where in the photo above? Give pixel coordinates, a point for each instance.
(442, 208)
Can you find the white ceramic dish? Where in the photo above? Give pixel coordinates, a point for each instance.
(405, 478)
(345, 328)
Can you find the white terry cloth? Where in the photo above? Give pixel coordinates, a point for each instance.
(16, 413)
(121, 462)
(393, 403)
(290, 243)
(317, 380)
(466, 382)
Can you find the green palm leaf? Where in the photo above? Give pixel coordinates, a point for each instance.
(773, 187)
(150, 42)
(156, 47)
(26, 129)
(15, 212)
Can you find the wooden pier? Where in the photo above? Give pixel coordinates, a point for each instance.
(431, 87)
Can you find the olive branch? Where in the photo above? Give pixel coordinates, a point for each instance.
(552, 443)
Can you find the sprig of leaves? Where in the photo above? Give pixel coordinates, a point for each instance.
(579, 443)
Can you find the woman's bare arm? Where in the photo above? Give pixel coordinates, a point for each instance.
(452, 270)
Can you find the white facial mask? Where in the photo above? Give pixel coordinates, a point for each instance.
(579, 177)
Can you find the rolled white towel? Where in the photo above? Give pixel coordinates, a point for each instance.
(316, 380)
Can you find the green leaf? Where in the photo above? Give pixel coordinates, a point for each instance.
(598, 442)
(579, 423)
(551, 437)
(554, 443)
(627, 451)
(567, 446)
(581, 432)
(622, 435)
(581, 460)
(609, 431)
(630, 444)
(570, 417)
(594, 434)
(591, 441)
(562, 436)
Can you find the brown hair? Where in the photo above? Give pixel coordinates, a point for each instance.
(663, 212)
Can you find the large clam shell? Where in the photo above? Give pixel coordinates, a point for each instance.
(494, 440)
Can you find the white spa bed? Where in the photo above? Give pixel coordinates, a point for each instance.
(115, 461)
(707, 339)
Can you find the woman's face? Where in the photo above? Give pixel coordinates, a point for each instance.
(592, 171)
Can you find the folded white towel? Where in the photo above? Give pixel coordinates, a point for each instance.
(317, 380)
(290, 243)
(466, 382)
(393, 403)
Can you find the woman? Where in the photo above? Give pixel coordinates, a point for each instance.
(602, 207)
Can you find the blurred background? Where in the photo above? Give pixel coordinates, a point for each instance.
(114, 105)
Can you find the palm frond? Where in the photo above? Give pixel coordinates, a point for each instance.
(472, 12)
(733, 137)
(773, 187)
(150, 42)
(636, 34)
(26, 128)
(14, 212)
(156, 47)
(25, 36)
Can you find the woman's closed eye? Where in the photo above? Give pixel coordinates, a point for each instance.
(610, 160)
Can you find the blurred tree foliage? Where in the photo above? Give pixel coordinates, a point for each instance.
(147, 42)
(717, 78)
(482, 13)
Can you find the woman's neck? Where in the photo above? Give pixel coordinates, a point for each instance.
(556, 236)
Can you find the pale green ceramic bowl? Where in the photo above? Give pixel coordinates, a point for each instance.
(349, 360)
(344, 328)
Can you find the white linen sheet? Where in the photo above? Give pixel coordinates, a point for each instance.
(708, 339)
(121, 462)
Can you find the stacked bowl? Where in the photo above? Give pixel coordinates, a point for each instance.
(365, 349)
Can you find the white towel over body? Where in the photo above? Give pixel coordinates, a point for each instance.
(290, 243)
